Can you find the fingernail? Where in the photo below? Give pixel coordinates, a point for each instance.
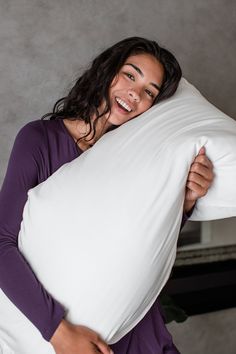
(111, 352)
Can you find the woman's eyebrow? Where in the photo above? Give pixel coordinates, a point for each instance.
(157, 87)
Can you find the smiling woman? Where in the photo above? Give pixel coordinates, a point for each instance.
(122, 82)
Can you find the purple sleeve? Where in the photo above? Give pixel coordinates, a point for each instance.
(185, 217)
(17, 280)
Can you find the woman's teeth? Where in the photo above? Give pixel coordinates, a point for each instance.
(123, 104)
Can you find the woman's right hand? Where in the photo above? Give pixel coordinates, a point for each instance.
(69, 338)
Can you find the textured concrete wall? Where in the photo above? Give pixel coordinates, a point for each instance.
(45, 44)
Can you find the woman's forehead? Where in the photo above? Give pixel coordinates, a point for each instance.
(145, 64)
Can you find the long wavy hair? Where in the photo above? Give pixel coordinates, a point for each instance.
(92, 88)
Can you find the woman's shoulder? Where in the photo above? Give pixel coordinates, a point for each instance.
(37, 128)
(31, 131)
(46, 143)
(40, 144)
(37, 131)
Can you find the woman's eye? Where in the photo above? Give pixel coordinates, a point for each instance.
(130, 76)
(150, 93)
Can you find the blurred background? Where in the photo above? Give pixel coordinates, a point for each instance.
(46, 44)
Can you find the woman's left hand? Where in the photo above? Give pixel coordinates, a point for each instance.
(199, 179)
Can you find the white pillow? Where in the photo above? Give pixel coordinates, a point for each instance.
(101, 232)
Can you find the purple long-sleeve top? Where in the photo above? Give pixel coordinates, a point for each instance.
(40, 148)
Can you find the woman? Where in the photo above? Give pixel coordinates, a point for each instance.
(122, 82)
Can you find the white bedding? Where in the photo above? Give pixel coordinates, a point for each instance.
(101, 232)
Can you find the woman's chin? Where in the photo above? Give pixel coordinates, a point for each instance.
(119, 119)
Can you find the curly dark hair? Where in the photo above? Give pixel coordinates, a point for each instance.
(92, 88)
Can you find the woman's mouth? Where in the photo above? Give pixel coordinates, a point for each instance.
(122, 105)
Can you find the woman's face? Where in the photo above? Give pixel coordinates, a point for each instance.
(135, 87)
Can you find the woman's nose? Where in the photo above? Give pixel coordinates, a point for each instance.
(134, 95)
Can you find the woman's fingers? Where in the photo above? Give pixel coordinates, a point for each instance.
(69, 338)
(201, 167)
(102, 347)
(99, 345)
(202, 151)
(199, 190)
(199, 179)
(203, 178)
(203, 160)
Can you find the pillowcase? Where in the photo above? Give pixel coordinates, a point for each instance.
(101, 232)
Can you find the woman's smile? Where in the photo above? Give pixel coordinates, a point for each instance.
(123, 106)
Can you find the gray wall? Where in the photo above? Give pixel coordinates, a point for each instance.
(45, 45)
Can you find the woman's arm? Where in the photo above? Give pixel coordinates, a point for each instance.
(17, 280)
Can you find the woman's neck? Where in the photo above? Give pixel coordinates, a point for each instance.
(78, 129)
